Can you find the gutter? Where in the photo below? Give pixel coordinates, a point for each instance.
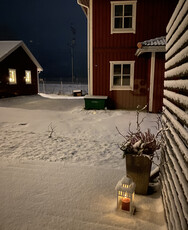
(87, 8)
(83, 6)
(150, 49)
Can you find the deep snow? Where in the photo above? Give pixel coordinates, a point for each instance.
(60, 165)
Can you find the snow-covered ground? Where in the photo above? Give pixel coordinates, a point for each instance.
(59, 165)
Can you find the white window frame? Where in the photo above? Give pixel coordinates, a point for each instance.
(122, 87)
(28, 77)
(123, 30)
(12, 77)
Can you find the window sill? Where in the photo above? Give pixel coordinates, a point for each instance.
(123, 31)
(121, 88)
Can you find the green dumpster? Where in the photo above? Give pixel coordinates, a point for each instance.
(95, 102)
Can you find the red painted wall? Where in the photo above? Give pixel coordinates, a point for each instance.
(151, 20)
(159, 82)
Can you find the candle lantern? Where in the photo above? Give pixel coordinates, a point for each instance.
(125, 195)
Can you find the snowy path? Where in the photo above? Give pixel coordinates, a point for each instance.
(38, 195)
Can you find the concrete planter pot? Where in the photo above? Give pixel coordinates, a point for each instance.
(139, 168)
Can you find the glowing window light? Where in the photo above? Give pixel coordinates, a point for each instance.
(12, 76)
(28, 77)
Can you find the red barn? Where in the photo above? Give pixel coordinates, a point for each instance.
(114, 69)
(18, 69)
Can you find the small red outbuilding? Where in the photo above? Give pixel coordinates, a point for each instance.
(18, 69)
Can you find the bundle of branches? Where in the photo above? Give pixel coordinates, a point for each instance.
(141, 142)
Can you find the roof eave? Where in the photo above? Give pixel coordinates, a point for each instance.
(150, 49)
(21, 44)
(39, 67)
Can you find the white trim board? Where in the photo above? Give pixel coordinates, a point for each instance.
(90, 88)
(152, 78)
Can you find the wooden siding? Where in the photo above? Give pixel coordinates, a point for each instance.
(122, 99)
(20, 61)
(174, 169)
(122, 47)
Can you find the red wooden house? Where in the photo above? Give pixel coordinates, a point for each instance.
(115, 67)
(18, 69)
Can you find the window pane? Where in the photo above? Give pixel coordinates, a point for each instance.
(28, 77)
(118, 22)
(128, 10)
(118, 10)
(127, 22)
(126, 69)
(126, 80)
(12, 76)
(123, 15)
(117, 80)
(117, 69)
(121, 75)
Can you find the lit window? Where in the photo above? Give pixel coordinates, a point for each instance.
(121, 75)
(28, 77)
(123, 17)
(12, 76)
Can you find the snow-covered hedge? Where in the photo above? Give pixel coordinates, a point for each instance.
(174, 173)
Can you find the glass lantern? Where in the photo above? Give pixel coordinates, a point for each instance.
(125, 195)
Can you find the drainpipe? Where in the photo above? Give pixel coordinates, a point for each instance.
(38, 72)
(89, 59)
(82, 5)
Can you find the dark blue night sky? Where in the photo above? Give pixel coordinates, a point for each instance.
(45, 27)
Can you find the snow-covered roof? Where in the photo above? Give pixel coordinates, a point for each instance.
(128, 181)
(159, 41)
(7, 47)
(151, 45)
